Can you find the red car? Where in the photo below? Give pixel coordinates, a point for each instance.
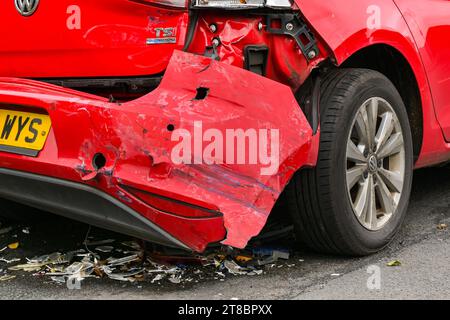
(183, 122)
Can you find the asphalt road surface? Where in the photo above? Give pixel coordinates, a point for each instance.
(422, 249)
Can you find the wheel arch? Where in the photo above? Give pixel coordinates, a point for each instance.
(391, 63)
(356, 36)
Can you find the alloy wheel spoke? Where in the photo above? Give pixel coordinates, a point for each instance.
(384, 196)
(354, 174)
(361, 201)
(385, 130)
(372, 115)
(393, 146)
(371, 212)
(363, 128)
(392, 179)
(354, 154)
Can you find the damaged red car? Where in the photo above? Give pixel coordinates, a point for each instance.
(184, 122)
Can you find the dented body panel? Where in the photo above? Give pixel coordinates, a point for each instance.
(135, 139)
(285, 63)
(132, 155)
(85, 38)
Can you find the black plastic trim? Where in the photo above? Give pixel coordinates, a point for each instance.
(256, 56)
(212, 213)
(299, 30)
(81, 202)
(137, 82)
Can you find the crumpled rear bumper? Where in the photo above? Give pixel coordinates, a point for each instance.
(135, 139)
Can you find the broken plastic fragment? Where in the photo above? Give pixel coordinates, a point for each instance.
(243, 259)
(175, 278)
(13, 246)
(235, 269)
(394, 263)
(8, 261)
(442, 226)
(105, 249)
(76, 267)
(127, 276)
(7, 277)
(29, 267)
(271, 255)
(59, 279)
(121, 261)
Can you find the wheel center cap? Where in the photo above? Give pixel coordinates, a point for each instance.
(372, 164)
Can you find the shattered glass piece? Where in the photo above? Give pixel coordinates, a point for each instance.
(175, 278)
(9, 261)
(158, 277)
(59, 279)
(104, 249)
(75, 267)
(121, 261)
(7, 277)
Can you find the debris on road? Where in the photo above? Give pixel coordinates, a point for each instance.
(269, 255)
(158, 278)
(233, 268)
(132, 262)
(9, 261)
(244, 258)
(13, 246)
(6, 277)
(442, 226)
(104, 248)
(394, 263)
(128, 260)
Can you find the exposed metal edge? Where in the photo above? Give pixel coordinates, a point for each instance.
(98, 193)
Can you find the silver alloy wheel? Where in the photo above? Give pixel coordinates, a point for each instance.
(375, 163)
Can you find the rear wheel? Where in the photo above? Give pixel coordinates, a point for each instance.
(354, 201)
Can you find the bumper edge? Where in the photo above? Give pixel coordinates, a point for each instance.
(81, 202)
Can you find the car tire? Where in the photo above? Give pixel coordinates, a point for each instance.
(346, 205)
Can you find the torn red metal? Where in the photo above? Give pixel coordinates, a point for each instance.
(285, 64)
(134, 142)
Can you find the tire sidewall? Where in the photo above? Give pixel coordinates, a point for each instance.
(351, 228)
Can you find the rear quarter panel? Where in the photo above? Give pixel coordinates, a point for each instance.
(429, 21)
(348, 26)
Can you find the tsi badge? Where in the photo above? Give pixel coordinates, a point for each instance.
(163, 35)
(26, 7)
